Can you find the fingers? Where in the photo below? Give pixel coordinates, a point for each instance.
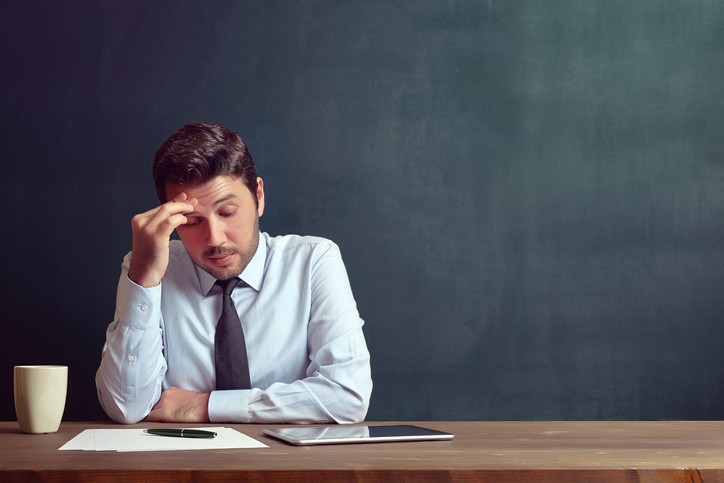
(153, 416)
(167, 215)
(158, 413)
(151, 237)
(177, 405)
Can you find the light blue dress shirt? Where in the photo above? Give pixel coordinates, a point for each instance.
(308, 359)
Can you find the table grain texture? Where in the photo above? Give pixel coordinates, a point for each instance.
(551, 451)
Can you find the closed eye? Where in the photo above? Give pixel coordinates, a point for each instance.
(227, 213)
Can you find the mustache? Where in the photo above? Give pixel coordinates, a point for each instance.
(220, 252)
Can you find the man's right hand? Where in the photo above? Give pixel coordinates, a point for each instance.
(151, 238)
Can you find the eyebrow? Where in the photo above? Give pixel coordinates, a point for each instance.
(216, 203)
(223, 200)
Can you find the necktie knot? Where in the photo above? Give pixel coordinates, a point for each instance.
(228, 285)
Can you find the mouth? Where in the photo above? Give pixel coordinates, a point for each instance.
(221, 259)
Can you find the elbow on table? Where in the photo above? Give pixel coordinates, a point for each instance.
(354, 409)
(121, 416)
(120, 413)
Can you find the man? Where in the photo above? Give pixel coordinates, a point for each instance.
(306, 357)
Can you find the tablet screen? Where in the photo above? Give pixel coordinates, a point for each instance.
(357, 434)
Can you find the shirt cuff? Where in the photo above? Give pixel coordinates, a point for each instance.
(138, 306)
(229, 406)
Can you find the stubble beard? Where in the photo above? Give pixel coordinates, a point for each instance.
(245, 255)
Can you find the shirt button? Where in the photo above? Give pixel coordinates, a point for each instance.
(131, 358)
(144, 307)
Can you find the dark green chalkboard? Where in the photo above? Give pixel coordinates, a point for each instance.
(529, 195)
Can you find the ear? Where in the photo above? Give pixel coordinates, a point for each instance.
(260, 196)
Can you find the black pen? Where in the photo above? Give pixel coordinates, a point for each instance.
(182, 433)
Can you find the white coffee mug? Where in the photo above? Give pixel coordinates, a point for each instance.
(40, 397)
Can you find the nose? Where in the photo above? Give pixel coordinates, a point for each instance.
(216, 235)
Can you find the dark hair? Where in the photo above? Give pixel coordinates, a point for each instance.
(198, 152)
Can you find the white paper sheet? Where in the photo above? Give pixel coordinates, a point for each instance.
(138, 440)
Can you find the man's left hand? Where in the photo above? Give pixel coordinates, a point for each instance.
(179, 406)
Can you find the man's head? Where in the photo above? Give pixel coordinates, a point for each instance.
(198, 152)
(210, 165)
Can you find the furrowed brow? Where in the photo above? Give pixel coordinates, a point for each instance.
(224, 199)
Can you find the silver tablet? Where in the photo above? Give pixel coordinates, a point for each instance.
(356, 434)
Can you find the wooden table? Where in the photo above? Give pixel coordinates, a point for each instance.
(681, 451)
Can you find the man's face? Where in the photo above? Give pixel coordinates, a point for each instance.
(222, 233)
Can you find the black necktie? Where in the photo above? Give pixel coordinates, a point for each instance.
(232, 366)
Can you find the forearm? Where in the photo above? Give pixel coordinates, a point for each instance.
(308, 401)
(132, 366)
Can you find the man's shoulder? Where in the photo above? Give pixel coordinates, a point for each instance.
(287, 243)
(292, 253)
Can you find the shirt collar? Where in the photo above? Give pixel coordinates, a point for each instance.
(252, 275)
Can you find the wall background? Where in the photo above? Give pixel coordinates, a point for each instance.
(529, 195)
